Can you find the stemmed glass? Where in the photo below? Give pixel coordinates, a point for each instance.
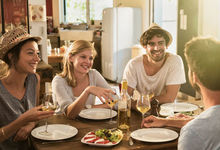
(143, 103)
(48, 105)
(111, 104)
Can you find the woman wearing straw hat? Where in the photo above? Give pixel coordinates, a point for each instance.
(157, 71)
(19, 89)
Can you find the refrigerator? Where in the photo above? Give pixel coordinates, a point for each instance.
(121, 30)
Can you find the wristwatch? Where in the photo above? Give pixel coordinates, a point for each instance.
(88, 106)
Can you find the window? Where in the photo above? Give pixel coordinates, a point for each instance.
(82, 11)
(165, 15)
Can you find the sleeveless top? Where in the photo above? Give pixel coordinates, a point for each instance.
(11, 108)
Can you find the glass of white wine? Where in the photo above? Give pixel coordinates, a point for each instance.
(111, 104)
(48, 105)
(143, 103)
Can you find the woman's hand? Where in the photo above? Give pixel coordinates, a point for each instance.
(35, 114)
(23, 133)
(102, 93)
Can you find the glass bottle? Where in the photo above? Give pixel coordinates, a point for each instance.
(124, 107)
(49, 48)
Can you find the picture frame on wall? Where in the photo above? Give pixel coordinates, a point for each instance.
(14, 14)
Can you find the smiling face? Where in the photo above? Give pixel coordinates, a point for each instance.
(83, 61)
(156, 48)
(28, 58)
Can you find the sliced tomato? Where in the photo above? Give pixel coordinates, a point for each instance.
(103, 142)
(89, 137)
(93, 141)
(91, 133)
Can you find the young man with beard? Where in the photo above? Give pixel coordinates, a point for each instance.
(157, 71)
(202, 133)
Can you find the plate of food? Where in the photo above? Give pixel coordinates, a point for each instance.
(103, 137)
(97, 113)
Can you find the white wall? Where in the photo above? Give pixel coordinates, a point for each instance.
(209, 18)
(40, 29)
(143, 4)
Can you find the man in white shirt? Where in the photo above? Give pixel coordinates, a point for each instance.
(157, 71)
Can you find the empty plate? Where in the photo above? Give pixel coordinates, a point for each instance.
(57, 132)
(97, 113)
(154, 135)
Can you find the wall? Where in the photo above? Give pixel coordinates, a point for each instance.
(143, 4)
(209, 18)
(49, 8)
(40, 29)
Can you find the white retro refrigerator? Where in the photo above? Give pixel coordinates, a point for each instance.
(122, 28)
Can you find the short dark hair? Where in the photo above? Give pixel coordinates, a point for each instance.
(203, 58)
(149, 34)
(15, 51)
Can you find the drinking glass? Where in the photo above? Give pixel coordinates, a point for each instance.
(48, 105)
(143, 103)
(111, 104)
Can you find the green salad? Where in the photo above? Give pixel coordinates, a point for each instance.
(113, 135)
(189, 113)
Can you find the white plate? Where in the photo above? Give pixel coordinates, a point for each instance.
(97, 113)
(58, 132)
(97, 144)
(180, 107)
(154, 135)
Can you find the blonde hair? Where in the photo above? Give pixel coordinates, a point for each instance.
(68, 68)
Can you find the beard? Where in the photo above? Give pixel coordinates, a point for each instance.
(157, 58)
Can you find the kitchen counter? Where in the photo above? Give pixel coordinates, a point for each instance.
(76, 35)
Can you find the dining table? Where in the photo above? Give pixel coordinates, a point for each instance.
(86, 125)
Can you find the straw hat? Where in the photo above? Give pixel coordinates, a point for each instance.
(12, 38)
(154, 26)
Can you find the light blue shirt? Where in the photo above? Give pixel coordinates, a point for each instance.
(203, 132)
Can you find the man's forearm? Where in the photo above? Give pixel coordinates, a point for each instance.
(176, 123)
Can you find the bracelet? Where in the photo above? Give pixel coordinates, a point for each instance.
(3, 132)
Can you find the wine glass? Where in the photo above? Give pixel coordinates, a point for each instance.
(143, 103)
(111, 104)
(48, 105)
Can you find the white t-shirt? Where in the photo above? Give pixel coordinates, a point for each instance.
(63, 94)
(171, 73)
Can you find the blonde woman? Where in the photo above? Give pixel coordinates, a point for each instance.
(77, 85)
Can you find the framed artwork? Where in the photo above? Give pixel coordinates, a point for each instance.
(14, 14)
(37, 12)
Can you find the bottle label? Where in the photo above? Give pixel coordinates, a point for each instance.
(122, 104)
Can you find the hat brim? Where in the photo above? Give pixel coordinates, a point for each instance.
(154, 26)
(5, 49)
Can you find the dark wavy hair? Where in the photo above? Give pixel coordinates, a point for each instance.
(149, 34)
